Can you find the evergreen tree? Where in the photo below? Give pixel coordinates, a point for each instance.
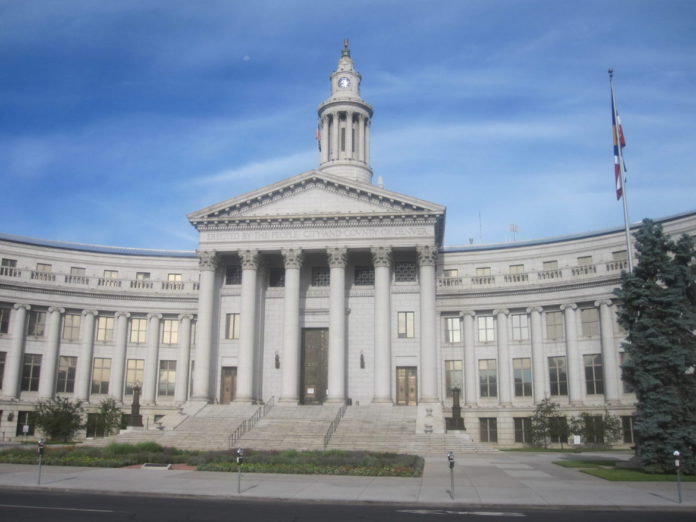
(59, 418)
(658, 312)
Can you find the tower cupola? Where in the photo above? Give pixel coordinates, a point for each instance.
(344, 124)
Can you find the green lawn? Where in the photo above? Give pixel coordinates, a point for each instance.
(605, 469)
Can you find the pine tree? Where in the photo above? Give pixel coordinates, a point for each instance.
(658, 312)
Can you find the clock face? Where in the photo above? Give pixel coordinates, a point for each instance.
(344, 82)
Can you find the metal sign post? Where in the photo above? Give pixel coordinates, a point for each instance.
(676, 465)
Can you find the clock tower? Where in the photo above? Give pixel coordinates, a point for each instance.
(344, 125)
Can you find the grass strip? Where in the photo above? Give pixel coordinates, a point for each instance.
(632, 475)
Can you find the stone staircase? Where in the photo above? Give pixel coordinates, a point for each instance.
(393, 428)
(291, 427)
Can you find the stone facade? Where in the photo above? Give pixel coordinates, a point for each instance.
(322, 288)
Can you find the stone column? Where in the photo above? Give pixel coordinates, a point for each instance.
(609, 356)
(150, 375)
(13, 365)
(381, 257)
(47, 381)
(576, 380)
(504, 361)
(367, 141)
(538, 374)
(83, 372)
(337, 325)
(247, 327)
(183, 363)
(349, 135)
(470, 395)
(118, 363)
(291, 326)
(336, 145)
(207, 264)
(361, 138)
(324, 139)
(427, 257)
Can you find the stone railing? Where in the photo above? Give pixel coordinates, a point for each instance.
(99, 283)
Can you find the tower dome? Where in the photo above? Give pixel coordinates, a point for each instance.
(344, 124)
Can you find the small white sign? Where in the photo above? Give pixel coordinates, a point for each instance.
(25, 429)
(576, 440)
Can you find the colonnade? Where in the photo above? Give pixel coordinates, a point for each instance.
(540, 383)
(337, 258)
(331, 124)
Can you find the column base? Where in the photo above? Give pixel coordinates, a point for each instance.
(335, 400)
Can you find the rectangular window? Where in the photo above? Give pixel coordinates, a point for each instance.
(174, 282)
(321, 276)
(558, 377)
(31, 372)
(453, 377)
(559, 429)
(174, 278)
(406, 324)
(110, 274)
(554, 325)
(4, 320)
(71, 327)
(170, 331)
(77, 275)
(364, 276)
(594, 429)
(142, 276)
(486, 328)
(232, 326)
(619, 255)
(549, 265)
(483, 271)
(28, 419)
(627, 387)
(523, 377)
(78, 271)
(523, 429)
(138, 330)
(589, 318)
(276, 278)
(453, 329)
(37, 323)
(405, 272)
(516, 269)
(450, 272)
(233, 275)
(3, 356)
(9, 267)
(585, 261)
(101, 373)
(594, 382)
(65, 382)
(134, 374)
(167, 379)
(488, 378)
(44, 268)
(488, 429)
(105, 329)
(627, 428)
(520, 327)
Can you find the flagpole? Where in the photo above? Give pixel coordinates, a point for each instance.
(622, 173)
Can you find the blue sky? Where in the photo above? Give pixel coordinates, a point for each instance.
(119, 118)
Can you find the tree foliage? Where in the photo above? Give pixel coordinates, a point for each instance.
(599, 430)
(59, 418)
(548, 424)
(658, 312)
(110, 415)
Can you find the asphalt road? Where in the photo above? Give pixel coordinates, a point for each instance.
(30, 506)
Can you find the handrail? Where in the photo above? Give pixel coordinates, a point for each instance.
(248, 423)
(334, 425)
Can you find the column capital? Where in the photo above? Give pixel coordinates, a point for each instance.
(534, 309)
(337, 256)
(184, 317)
(250, 259)
(87, 313)
(603, 302)
(468, 313)
(58, 309)
(427, 254)
(208, 259)
(154, 316)
(501, 311)
(381, 256)
(569, 306)
(21, 306)
(122, 314)
(292, 257)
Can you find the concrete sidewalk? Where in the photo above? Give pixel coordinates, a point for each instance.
(510, 479)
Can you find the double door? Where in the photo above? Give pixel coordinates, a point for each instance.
(406, 386)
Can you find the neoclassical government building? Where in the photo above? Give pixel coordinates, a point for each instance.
(324, 288)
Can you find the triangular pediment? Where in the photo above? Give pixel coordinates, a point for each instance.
(313, 194)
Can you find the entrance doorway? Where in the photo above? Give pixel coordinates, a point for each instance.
(314, 378)
(406, 386)
(228, 384)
